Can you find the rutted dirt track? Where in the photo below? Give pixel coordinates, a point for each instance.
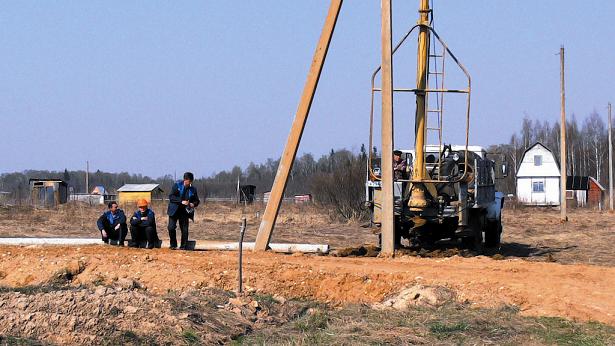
(582, 292)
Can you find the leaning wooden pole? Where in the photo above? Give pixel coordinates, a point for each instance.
(388, 224)
(563, 216)
(610, 161)
(290, 151)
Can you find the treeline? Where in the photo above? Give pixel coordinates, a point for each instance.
(301, 179)
(337, 179)
(307, 176)
(18, 183)
(586, 147)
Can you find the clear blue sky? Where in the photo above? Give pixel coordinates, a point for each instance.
(155, 87)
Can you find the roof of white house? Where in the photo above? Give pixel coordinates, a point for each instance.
(139, 188)
(548, 167)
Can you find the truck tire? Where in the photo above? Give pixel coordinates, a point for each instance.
(475, 241)
(493, 235)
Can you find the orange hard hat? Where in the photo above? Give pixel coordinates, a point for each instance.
(141, 202)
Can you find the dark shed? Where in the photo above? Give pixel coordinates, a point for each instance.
(48, 192)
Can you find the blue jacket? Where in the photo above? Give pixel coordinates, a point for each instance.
(151, 219)
(175, 200)
(118, 218)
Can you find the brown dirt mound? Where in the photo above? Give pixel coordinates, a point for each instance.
(537, 288)
(103, 315)
(418, 295)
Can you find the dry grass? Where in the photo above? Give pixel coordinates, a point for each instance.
(531, 233)
(452, 324)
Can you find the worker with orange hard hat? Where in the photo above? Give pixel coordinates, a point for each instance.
(143, 227)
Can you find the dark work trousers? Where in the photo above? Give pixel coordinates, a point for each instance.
(140, 234)
(112, 233)
(183, 226)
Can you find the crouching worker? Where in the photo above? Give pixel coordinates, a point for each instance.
(112, 225)
(143, 227)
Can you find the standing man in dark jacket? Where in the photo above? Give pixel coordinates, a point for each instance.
(143, 226)
(112, 225)
(182, 201)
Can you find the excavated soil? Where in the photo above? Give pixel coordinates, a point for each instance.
(580, 292)
(103, 294)
(126, 314)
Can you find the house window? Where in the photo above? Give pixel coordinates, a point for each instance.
(537, 160)
(538, 186)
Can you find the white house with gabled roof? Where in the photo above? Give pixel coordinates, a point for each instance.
(538, 177)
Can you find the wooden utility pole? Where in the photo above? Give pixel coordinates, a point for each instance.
(87, 177)
(563, 216)
(265, 229)
(387, 225)
(610, 162)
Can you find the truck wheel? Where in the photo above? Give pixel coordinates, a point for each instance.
(478, 242)
(493, 235)
(475, 242)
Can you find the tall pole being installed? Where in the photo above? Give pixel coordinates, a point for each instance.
(387, 224)
(610, 162)
(563, 216)
(290, 150)
(417, 198)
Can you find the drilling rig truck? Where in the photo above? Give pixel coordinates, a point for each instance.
(447, 191)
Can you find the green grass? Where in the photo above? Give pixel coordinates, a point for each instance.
(558, 331)
(35, 289)
(128, 337)
(440, 328)
(264, 298)
(450, 324)
(191, 337)
(15, 341)
(313, 322)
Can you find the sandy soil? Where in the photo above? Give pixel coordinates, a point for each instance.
(580, 292)
(544, 267)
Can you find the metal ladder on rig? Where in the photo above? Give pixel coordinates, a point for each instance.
(436, 76)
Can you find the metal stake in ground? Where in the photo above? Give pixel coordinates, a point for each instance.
(241, 233)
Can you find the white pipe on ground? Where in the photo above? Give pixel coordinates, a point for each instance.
(200, 245)
(285, 248)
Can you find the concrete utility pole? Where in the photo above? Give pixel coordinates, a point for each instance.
(290, 150)
(387, 225)
(610, 162)
(563, 216)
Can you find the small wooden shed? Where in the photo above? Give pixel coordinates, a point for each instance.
(246, 193)
(48, 192)
(130, 193)
(584, 191)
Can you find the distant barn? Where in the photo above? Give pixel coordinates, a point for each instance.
(299, 199)
(99, 190)
(129, 193)
(247, 193)
(584, 191)
(48, 192)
